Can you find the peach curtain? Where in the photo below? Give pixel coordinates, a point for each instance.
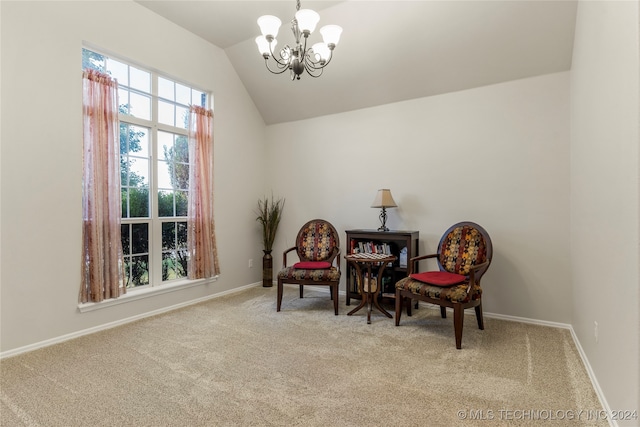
(102, 259)
(201, 239)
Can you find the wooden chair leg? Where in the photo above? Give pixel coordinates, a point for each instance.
(443, 312)
(399, 299)
(301, 291)
(479, 316)
(408, 306)
(279, 299)
(458, 320)
(334, 295)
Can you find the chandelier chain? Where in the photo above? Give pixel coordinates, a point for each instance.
(297, 4)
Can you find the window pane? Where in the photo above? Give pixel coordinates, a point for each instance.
(165, 113)
(140, 238)
(140, 106)
(174, 265)
(93, 60)
(165, 141)
(164, 175)
(182, 258)
(165, 203)
(124, 171)
(140, 79)
(181, 176)
(139, 202)
(138, 140)
(124, 193)
(165, 89)
(182, 203)
(139, 271)
(198, 98)
(138, 172)
(182, 117)
(169, 266)
(183, 94)
(181, 151)
(181, 235)
(119, 71)
(168, 236)
(123, 102)
(124, 233)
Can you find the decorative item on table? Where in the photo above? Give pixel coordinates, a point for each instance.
(403, 257)
(383, 200)
(269, 214)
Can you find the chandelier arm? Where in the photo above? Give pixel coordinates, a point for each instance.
(316, 65)
(311, 70)
(282, 62)
(281, 68)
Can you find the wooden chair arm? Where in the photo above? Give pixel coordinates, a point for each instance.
(284, 256)
(418, 258)
(337, 259)
(472, 272)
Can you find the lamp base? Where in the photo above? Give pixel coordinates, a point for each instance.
(383, 220)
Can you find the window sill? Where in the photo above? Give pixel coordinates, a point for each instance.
(137, 294)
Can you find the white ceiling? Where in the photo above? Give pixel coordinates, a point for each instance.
(389, 51)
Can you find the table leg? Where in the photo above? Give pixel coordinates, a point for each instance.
(362, 303)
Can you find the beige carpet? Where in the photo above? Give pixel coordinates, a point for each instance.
(235, 361)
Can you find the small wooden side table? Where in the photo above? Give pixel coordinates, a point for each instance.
(364, 262)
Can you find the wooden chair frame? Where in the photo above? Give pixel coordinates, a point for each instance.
(334, 259)
(475, 274)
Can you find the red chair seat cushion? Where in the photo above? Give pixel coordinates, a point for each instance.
(312, 265)
(439, 278)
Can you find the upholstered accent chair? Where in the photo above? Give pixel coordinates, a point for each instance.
(318, 250)
(464, 255)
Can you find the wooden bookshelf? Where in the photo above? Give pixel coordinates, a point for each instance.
(389, 242)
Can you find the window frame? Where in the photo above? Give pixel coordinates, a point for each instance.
(154, 221)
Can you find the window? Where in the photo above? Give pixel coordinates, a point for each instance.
(154, 168)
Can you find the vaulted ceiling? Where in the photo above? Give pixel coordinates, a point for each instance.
(389, 51)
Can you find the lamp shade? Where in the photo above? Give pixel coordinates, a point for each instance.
(263, 45)
(307, 19)
(331, 34)
(322, 51)
(269, 25)
(384, 199)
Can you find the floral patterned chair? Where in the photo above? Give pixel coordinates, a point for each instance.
(464, 255)
(318, 249)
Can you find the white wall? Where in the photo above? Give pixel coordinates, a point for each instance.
(605, 123)
(42, 157)
(496, 155)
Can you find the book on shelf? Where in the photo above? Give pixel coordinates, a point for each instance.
(370, 247)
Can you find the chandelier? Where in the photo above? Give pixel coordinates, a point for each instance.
(298, 58)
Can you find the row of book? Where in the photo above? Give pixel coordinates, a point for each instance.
(359, 247)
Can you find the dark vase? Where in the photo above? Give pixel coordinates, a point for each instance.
(267, 269)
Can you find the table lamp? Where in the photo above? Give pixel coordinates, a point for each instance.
(383, 200)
